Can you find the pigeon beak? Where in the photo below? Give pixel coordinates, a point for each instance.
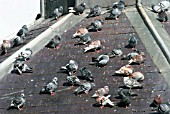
(95, 95)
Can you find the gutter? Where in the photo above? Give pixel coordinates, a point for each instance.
(153, 31)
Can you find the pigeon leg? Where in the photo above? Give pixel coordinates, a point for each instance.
(116, 18)
(101, 107)
(20, 108)
(86, 92)
(52, 93)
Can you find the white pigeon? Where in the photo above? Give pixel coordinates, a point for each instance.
(125, 70)
(101, 91)
(102, 100)
(131, 83)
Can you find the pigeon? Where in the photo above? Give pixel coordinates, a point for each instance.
(101, 60)
(71, 67)
(101, 92)
(18, 101)
(38, 16)
(120, 4)
(162, 16)
(96, 25)
(114, 13)
(162, 6)
(103, 101)
(124, 102)
(58, 12)
(80, 32)
(17, 41)
(23, 31)
(163, 109)
(116, 52)
(50, 87)
(54, 42)
(84, 87)
(5, 46)
(73, 80)
(25, 55)
(132, 42)
(131, 55)
(21, 67)
(125, 70)
(156, 101)
(85, 39)
(137, 76)
(94, 45)
(126, 92)
(87, 74)
(131, 83)
(138, 59)
(78, 9)
(96, 11)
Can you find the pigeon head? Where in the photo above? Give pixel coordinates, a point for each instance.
(93, 84)
(24, 27)
(83, 4)
(71, 61)
(60, 9)
(55, 79)
(22, 95)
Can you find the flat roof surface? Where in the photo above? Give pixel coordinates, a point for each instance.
(46, 65)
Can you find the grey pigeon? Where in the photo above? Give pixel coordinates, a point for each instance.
(132, 42)
(78, 9)
(58, 12)
(126, 92)
(120, 4)
(71, 67)
(162, 6)
(54, 42)
(96, 11)
(163, 109)
(84, 87)
(162, 16)
(101, 92)
(131, 83)
(115, 52)
(73, 80)
(101, 60)
(114, 13)
(50, 87)
(103, 101)
(87, 74)
(25, 55)
(124, 102)
(23, 31)
(21, 67)
(18, 101)
(17, 41)
(6, 45)
(96, 25)
(84, 39)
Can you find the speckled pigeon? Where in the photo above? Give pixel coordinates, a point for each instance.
(156, 101)
(125, 70)
(96, 11)
(101, 92)
(137, 76)
(25, 55)
(58, 12)
(163, 109)
(80, 32)
(18, 101)
(124, 102)
(131, 83)
(23, 31)
(71, 67)
(138, 59)
(84, 87)
(101, 60)
(94, 45)
(85, 39)
(73, 80)
(131, 55)
(50, 87)
(78, 9)
(6, 45)
(103, 101)
(86, 73)
(96, 25)
(54, 42)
